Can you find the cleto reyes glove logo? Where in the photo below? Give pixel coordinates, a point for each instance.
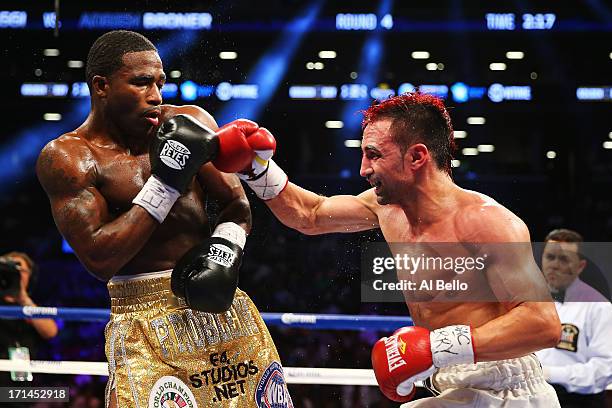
(221, 255)
(394, 358)
(174, 154)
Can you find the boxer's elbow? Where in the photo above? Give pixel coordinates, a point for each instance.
(303, 220)
(311, 221)
(103, 268)
(308, 225)
(550, 332)
(553, 332)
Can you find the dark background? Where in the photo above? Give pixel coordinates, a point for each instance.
(283, 270)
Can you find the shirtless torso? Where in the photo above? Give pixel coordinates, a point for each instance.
(512, 285)
(455, 227)
(91, 181)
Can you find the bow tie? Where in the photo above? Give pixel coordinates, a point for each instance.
(559, 296)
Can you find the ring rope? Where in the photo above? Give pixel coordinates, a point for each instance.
(300, 320)
(293, 375)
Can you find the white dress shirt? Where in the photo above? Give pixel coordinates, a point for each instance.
(582, 361)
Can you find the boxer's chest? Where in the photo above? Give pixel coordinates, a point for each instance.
(441, 267)
(121, 177)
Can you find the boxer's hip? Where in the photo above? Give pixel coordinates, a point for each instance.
(156, 344)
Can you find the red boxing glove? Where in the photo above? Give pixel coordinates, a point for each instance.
(413, 353)
(400, 360)
(264, 145)
(235, 153)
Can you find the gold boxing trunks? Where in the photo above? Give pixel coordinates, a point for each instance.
(161, 354)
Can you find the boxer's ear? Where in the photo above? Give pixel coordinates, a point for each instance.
(417, 155)
(99, 85)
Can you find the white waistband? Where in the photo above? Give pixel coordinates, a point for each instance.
(523, 372)
(141, 276)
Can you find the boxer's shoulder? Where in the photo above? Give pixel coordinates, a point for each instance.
(197, 112)
(66, 158)
(482, 219)
(368, 198)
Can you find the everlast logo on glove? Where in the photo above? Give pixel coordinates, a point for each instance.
(221, 254)
(174, 154)
(393, 355)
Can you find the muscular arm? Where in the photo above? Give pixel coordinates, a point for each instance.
(313, 214)
(227, 191)
(531, 322)
(102, 243)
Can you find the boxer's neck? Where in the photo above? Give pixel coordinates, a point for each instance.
(103, 129)
(430, 199)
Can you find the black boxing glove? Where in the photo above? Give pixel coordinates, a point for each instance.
(207, 275)
(179, 148)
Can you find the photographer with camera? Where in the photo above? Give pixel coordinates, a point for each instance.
(19, 338)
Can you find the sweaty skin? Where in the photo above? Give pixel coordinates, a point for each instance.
(92, 174)
(413, 201)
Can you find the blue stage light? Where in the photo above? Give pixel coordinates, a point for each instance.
(189, 91)
(460, 92)
(270, 70)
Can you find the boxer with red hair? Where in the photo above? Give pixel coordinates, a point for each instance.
(479, 353)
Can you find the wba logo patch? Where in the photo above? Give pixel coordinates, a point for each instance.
(174, 154)
(272, 392)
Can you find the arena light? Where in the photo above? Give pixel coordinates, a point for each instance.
(551, 154)
(610, 135)
(51, 52)
(469, 151)
(327, 54)
(189, 91)
(486, 148)
(54, 117)
(269, 71)
(75, 64)
(497, 66)
(517, 55)
(597, 93)
(607, 144)
(610, 55)
(24, 147)
(334, 124)
(228, 55)
(371, 55)
(310, 65)
(175, 74)
(460, 92)
(352, 143)
(441, 91)
(459, 134)
(476, 120)
(455, 163)
(420, 55)
(318, 65)
(431, 66)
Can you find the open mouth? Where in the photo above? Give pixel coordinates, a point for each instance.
(153, 117)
